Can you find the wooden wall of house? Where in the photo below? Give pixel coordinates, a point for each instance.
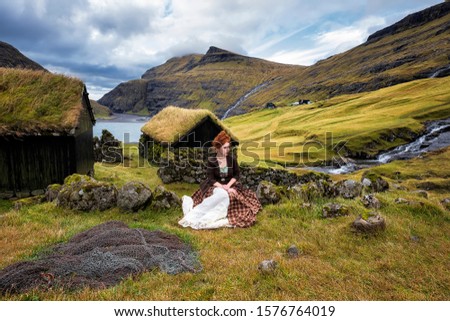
(32, 163)
(84, 145)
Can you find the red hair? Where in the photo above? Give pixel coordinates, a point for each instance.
(221, 139)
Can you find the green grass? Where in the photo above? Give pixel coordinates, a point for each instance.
(100, 111)
(335, 263)
(359, 120)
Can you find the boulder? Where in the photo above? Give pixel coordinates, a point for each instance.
(370, 201)
(268, 193)
(164, 199)
(134, 196)
(401, 200)
(81, 192)
(373, 182)
(311, 190)
(399, 187)
(348, 188)
(420, 193)
(374, 223)
(293, 251)
(334, 210)
(51, 192)
(446, 203)
(29, 201)
(267, 266)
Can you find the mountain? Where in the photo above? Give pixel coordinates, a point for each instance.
(10, 57)
(212, 81)
(413, 48)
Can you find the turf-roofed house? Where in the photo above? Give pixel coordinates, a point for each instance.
(181, 137)
(46, 130)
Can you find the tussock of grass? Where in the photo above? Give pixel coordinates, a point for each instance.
(172, 123)
(335, 263)
(38, 101)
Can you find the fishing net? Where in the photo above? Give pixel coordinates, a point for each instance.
(100, 257)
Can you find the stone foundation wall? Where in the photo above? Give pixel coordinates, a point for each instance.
(249, 176)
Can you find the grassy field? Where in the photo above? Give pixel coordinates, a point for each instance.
(335, 263)
(308, 134)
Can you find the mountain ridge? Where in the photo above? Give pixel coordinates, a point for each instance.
(412, 48)
(11, 57)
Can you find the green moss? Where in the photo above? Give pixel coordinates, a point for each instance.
(76, 178)
(54, 187)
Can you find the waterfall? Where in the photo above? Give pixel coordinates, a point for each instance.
(243, 98)
(438, 72)
(437, 136)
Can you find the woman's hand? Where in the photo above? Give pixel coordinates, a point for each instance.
(232, 192)
(225, 187)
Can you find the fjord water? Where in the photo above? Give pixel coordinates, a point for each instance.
(122, 126)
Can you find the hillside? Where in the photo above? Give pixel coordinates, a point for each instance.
(413, 48)
(100, 111)
(366, 122)
(10, 57)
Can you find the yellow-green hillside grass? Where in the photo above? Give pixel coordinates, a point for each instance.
(427, 44)
(334, 264)
(172, 123)
(100, 111)
(359, 120)
(38, 100)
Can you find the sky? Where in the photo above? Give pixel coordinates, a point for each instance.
(106, 42)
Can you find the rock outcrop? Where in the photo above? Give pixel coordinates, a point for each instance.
(413, 20)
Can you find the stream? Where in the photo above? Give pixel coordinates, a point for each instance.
(243, 98)
(436, 136)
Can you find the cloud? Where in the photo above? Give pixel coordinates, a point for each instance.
(331, 42)
(105, 42)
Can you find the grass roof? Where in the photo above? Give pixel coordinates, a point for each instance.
(171, 123)
(37, 102)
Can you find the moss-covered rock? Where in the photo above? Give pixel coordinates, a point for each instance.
(373, 224)
(330, 210)
(52, 191)
(312, 190)
(77, 178)
(134, 196)
(370, 201)
(373, 182)
(29, 201)
(269, 193)
(85, 194)
(420, 193)
(164, 199)
(348, 188)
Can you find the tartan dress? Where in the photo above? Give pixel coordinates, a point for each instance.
(243, 206)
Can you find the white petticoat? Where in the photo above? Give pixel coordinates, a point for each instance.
(209, 214)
